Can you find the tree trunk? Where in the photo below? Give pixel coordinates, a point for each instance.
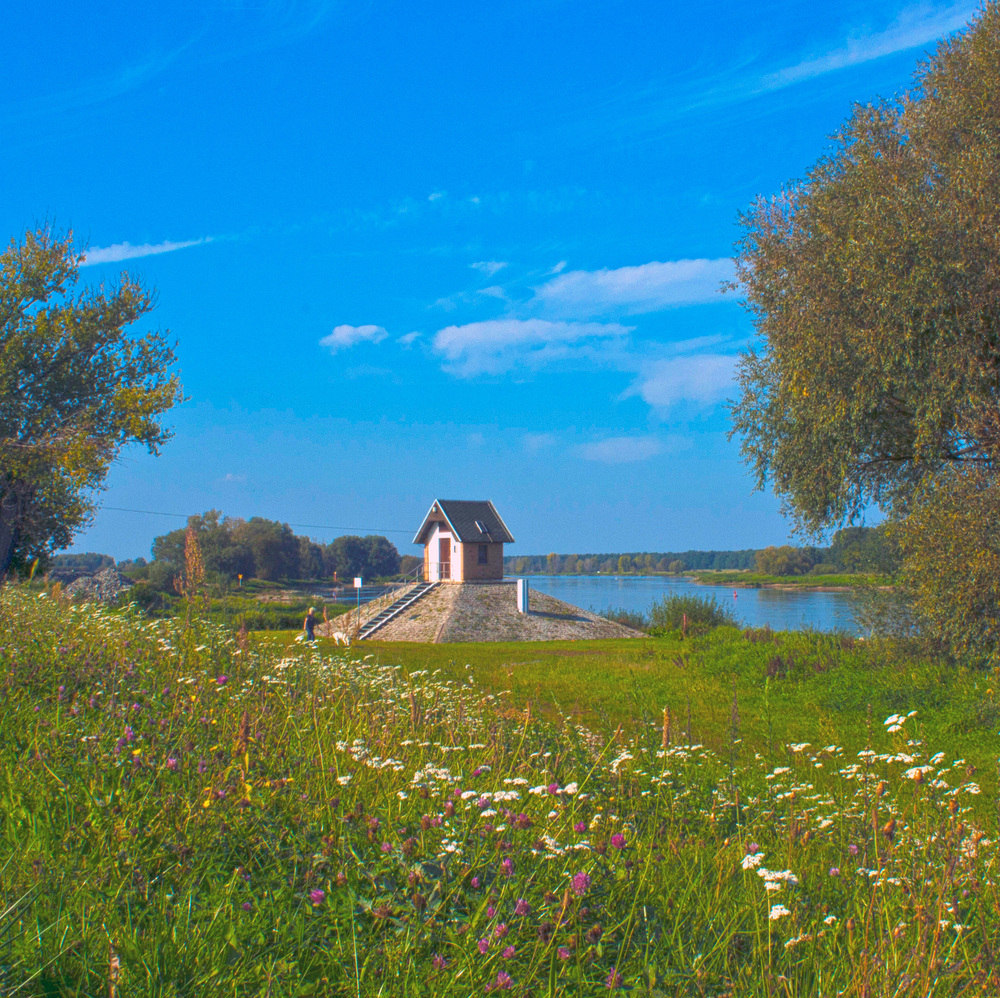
(8, 534)
(11, 509)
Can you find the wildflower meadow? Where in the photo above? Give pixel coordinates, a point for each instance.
(186, 811)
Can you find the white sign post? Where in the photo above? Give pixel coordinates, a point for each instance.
(357, 585)
(522, 596)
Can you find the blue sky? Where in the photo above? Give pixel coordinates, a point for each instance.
(451, 250)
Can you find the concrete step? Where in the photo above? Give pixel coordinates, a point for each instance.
(394, 609)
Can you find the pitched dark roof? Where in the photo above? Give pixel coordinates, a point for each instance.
(471, 520)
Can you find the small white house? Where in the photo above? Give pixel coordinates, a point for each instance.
(463, 541)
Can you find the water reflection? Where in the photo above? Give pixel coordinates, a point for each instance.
(781, 609)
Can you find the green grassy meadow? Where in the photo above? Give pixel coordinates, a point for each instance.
(188, 810)
(789, 687)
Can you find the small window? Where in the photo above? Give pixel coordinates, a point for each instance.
(484, 554)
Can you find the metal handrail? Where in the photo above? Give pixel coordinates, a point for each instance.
(443, 571)
(378, 604)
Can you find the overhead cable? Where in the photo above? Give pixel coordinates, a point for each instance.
(311, 526)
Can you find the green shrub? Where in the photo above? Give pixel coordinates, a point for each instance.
(154, 600)
(630, 618)
(824, 568)
(234, 611)
(695, 614)
(259, 616)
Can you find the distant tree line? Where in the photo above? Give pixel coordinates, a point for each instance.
(633, 562)
(263, 549)
(853, 549)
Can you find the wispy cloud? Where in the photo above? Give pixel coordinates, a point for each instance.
(126, 251)
(642, 114)
(343, 337)
(915, 26)
(107, 87)
(488, 267)
(646, 287)
(221, 33)
(621, 450)
(500, 345)
(702, 378)
(474, 297)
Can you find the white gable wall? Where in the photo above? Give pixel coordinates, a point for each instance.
(439, 532)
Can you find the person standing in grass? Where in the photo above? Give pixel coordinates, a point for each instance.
(309, 624)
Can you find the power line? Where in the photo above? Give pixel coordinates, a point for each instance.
(310, 526)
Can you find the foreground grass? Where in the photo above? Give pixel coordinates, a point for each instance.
(181, 814)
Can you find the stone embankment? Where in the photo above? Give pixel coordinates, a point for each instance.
(487, 611)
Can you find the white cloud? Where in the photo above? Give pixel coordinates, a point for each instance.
(621, 450)
(126, 251)
(916, 26)
(488, 267)
(499, 345)
(408, 339)
(436, 196)
(701, 378)
(343, 337)
(643, 288)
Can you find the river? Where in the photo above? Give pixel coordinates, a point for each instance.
(782, 609)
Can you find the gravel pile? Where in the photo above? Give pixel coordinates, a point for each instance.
(105, 587)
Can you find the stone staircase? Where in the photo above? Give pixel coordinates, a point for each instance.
(404, 602)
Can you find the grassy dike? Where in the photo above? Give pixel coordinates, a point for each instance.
(184, 812)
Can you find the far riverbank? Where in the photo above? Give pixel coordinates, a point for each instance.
(843, 583)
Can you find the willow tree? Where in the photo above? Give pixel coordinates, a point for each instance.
(874, 285)
(75, 388)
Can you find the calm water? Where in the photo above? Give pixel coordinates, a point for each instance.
(783, 609)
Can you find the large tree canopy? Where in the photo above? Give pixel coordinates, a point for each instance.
(875, 289)
(74, 389)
